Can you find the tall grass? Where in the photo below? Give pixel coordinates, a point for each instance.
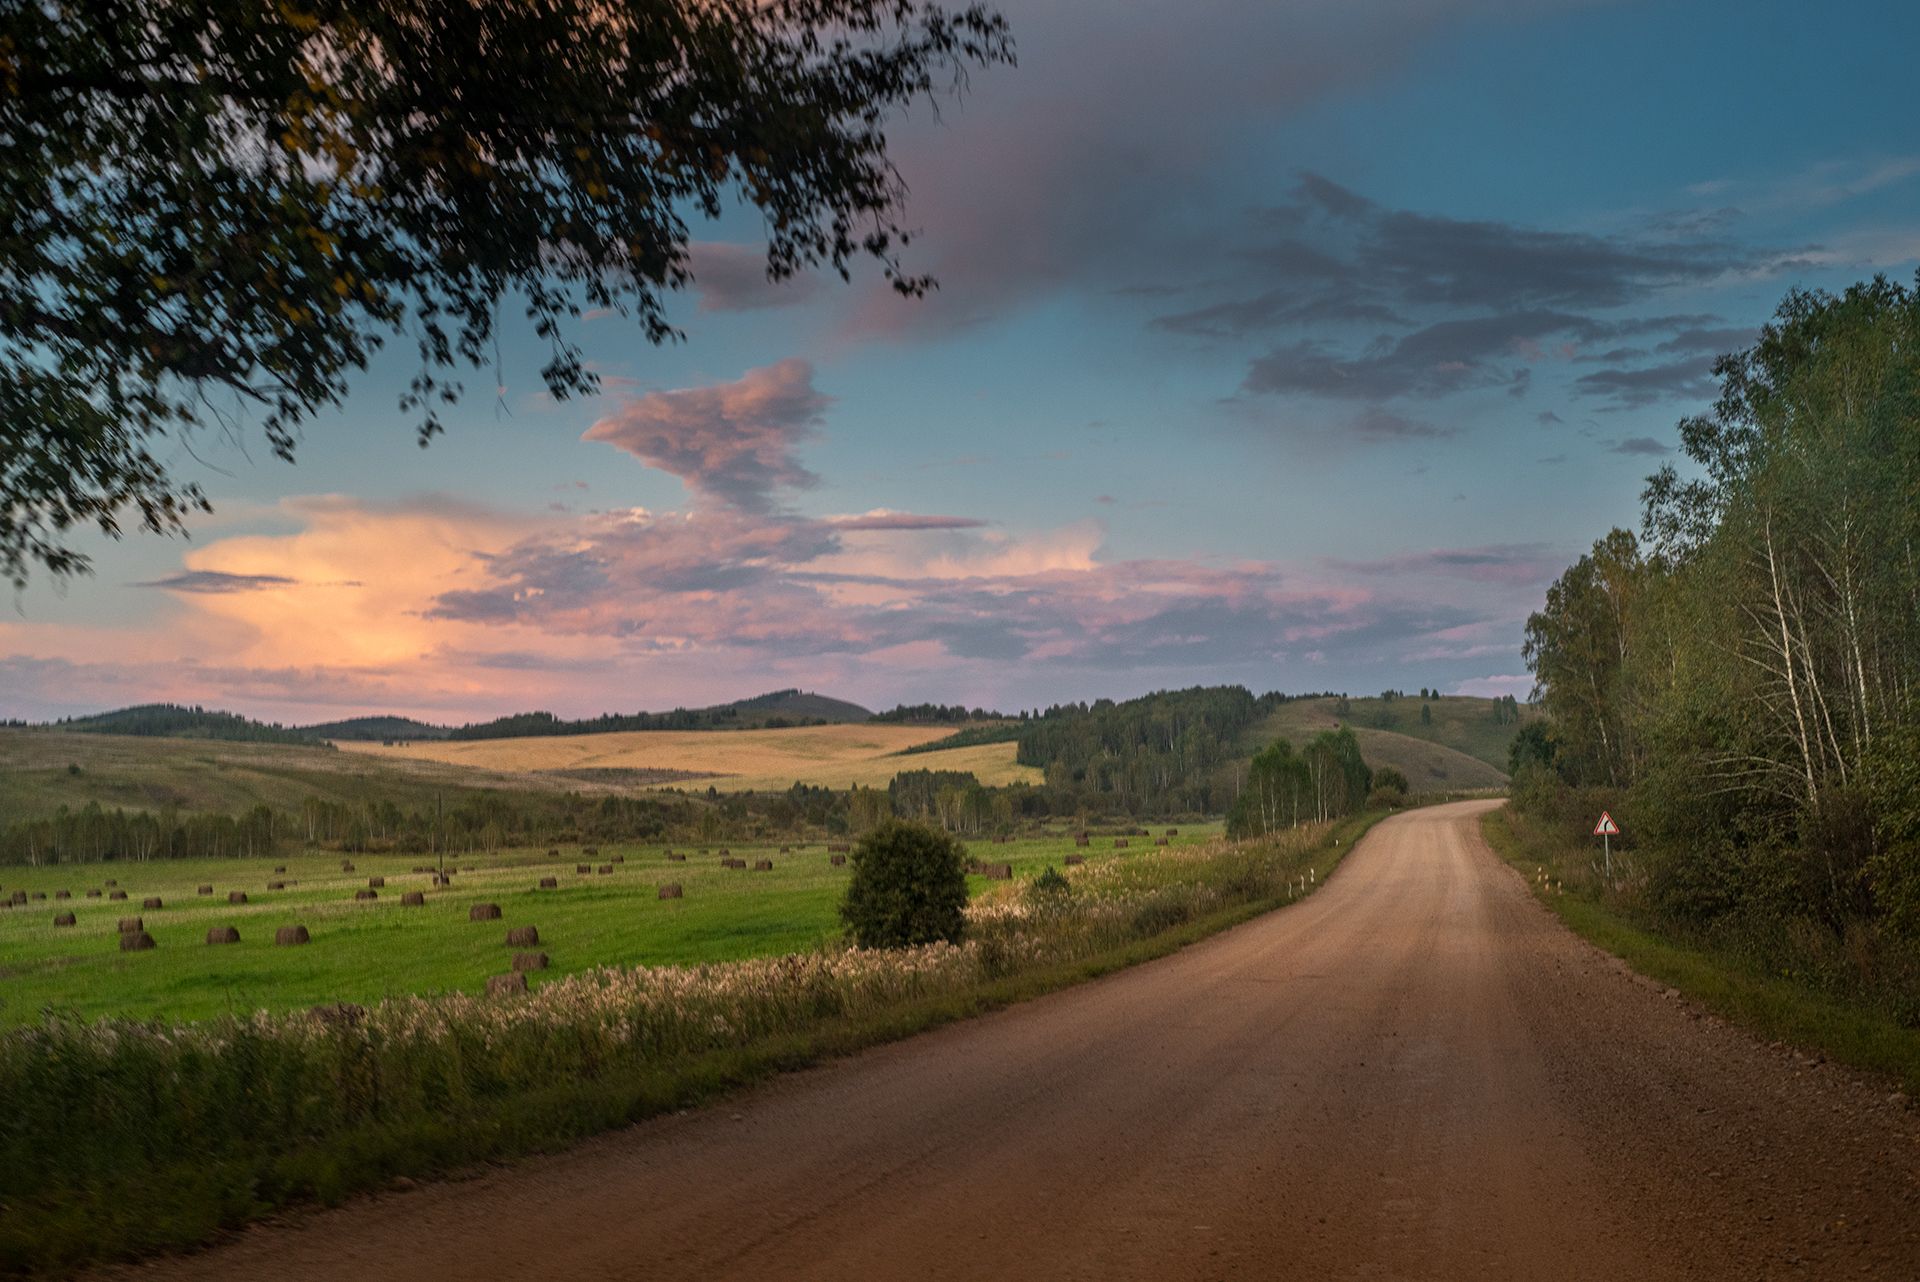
(119, 1137)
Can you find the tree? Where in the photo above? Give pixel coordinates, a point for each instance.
(218, 210)
(909, 887)
(1426, 715)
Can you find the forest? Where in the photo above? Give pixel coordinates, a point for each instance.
(1739, 682)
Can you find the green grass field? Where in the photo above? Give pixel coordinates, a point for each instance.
(1462, 748)
(363, 951)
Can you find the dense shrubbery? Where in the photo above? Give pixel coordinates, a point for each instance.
(909, 887)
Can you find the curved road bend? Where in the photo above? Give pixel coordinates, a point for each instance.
(1415, 1073)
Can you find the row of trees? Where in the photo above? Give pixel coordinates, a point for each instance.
(1284, 788)
(1744, 675)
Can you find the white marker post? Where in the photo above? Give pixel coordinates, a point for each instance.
(1606, 830)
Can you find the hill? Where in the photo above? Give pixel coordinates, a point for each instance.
(775, 710)
(377, 728)
(175, 721)
(1463, 744)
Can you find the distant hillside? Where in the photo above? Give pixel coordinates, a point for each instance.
(173, 721)
(381, 728)
(780, 709)
(1462, 743)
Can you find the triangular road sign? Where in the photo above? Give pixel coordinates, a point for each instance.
(1606, 827)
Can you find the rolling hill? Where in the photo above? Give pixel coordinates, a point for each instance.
(377, 728)
(1463, 746)
(175, 721)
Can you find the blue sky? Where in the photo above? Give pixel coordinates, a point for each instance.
(1293, 345)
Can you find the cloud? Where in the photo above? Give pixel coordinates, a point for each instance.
(1376, 425)
(1519, 685)
(883, 519)
(1521, 564)
(1689, 379)
(730, 443)
(212, 581)
(1444, 357)
(1641, 445)
(733, 278)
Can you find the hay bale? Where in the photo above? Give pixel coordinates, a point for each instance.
(725, 853)
(523, 936)
(222, 935)
(236, 896)
(63, 894)
(1159, 841)
(554, 853)
(290, 935)
(583, 868)
(1119, 843)
(605, 869)
(63, 919)
(591, 852)
(1081, 841)
(136, 941)
(484, 912)
(529, 961)
(1173, 832)
(376, 882)
(506, 985)
(110, 882)
(276, 885)
(203, 890)
(346, 865)
(999, 872)
(111, 894)
(676, 859)
(412, 899)
(836, 860)
(131, 923)
(366, 894)
(18, 897)
(549, 883)
(1073, 861)
(152, 901)
(93, 894)
(763, 865)
(670, 891)
(280, 868)
(39, 894)
(442, 879)
(619, 859)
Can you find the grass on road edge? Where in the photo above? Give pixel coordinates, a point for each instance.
(1774, 1008)
(183, 1208)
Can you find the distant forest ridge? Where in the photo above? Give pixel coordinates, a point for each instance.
(178, 721)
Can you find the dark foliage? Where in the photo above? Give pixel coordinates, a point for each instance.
(909, 887)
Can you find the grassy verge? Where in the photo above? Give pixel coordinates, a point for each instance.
(124, 1139)
(1772, 1006)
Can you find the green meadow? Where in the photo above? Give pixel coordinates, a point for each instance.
(362, 951)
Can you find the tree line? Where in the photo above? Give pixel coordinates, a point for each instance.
(1741, 678)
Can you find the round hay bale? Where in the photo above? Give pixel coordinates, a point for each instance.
(376, 882)
(549, 883)
(506, 985)
(590, 852)
(676, 859)
(236, 896)
(203, 890)
(442, 879)
(111, 894)
(131, 923)
(836, 860)
(1159, 841)
(763, 865)
(999, 872)
(670, 891)
(619, 859)
(276, 885)
(523, 936)
(724, 852)
(291, 935)
(63, 894)
(484, 912)
(39, 894)
(1081, 841)
(529, 961)
(366, 894)
(20, 897)
(1173, 832)
(223, 935)
(1119, 843)
(137, 941)
(110, 882)
(63, 919)
(279, 867)
(583, 867)
(553, 854)
(346, 865)
(412, 899)
(1074, 861)
(605, 869)
(93, 894)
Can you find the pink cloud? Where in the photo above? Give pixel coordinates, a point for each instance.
(730, 443)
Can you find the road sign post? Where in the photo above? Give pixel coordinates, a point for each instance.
(1605, 830)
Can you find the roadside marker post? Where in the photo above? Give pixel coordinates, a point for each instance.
(1606, 830)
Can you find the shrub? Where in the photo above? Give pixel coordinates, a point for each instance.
(1387, 779)
(909, 887)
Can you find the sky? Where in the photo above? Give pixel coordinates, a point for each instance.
(1296, 345)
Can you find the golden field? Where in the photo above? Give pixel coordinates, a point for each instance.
(732, 760)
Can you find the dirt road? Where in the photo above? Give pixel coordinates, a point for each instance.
(1416, 1073)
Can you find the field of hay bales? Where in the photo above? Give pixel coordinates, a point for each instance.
(731, 760)
(364, 949)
